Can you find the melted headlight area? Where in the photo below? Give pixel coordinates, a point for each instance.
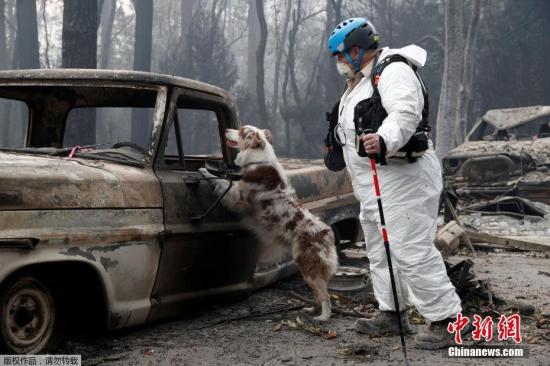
(488, 169)
(452, 165)
(496, 168)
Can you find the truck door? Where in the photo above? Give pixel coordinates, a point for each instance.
(209, 258)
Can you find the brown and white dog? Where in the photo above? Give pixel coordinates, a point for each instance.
(271, 210)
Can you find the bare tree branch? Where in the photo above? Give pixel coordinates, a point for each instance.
(311, 16)
(240, 36)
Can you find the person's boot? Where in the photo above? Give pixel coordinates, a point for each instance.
(384, 322)
(434, 336)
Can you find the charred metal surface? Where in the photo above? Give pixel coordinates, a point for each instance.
(127, 273)
(20, 243)
(83, 76)
(78, 252)
(158, 120)
(108, 263)
(41, 182)
(95, 228)
(312, 181)
(115, 320)
(10, 198)
(121, 244)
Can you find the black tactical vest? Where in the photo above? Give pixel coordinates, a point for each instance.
(369, 115)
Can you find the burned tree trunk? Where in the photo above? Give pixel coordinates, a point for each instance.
(452, 77)
(187, 8)
(47, 62)
(456, 89)
(4, 111)
(461, 123)
(142, 61)
(79, 50)
(143, 35)
(260, 54)
(27, 35)
(329, 78)
(79, 34)
(290, 76)
(107, 19)
(253, 40)
(280, 41)
(3, 42)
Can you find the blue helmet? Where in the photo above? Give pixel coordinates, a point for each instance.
(353, 32)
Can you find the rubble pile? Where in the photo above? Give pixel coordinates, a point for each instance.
(509, 216)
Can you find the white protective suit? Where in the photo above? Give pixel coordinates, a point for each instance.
(409, 191)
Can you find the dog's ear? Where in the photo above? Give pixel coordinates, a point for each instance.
(256, 142)
(242, 133)
(268, 136)
(251, 139)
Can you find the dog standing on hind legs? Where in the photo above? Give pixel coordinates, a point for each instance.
(269, 208)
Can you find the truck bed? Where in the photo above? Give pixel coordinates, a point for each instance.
(314, 182)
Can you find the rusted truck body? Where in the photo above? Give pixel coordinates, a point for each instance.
(109, 232)
(507, 153)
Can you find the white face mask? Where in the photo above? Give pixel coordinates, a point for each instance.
(344, 69)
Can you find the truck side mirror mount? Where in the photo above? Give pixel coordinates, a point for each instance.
(221, 170)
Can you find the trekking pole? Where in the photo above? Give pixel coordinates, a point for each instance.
(387, 246)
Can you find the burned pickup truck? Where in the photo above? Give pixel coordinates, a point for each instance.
(102, 207)
(507, 153)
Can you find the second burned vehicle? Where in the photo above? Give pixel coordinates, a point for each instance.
(507, 153)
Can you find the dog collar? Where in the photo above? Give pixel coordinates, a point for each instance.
(256, 162)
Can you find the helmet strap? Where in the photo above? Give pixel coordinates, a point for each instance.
(355, 63)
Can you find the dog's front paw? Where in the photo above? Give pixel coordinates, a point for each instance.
(220, 185)
(205, 173)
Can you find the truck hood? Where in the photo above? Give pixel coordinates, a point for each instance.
(538, 149)
(36, 182)
(511, 117)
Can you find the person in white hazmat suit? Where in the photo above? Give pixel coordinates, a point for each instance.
(410, 190)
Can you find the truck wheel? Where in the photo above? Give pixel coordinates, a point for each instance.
(31, 319)
(341, 244)
(337, 243)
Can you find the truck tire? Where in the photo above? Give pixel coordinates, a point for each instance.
(337, 243)
(31, 316)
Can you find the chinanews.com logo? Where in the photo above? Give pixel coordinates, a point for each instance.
(508, 328)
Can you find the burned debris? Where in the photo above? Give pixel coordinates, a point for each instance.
(496, 198)
(513, 206)
(498, 180)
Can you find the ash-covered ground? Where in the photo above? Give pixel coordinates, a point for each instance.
(269, 327)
